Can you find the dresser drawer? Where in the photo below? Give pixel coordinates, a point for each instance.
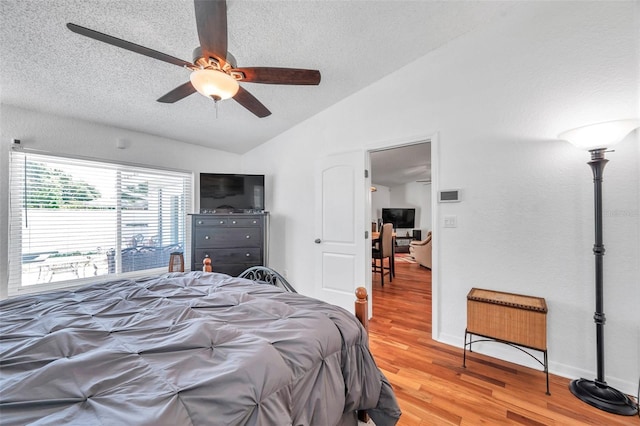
(233, 269)
(227, 221)
(243, 222)
(251, 256)
(210, 221)
(228, 237)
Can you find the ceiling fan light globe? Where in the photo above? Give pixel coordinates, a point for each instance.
(214, 84)
(601, 135)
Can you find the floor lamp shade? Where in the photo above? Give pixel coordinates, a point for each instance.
(601, 135)
(597, 138)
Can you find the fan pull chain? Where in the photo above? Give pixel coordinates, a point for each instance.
(215, 102)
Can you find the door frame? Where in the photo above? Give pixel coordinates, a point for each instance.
(435, 216)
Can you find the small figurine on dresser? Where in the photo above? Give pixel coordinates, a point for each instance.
(206, 264)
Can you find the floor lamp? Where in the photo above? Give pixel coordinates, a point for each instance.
(597, 139)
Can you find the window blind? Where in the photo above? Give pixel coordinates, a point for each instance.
(73, 221)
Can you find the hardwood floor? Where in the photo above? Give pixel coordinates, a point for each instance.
(432, 387)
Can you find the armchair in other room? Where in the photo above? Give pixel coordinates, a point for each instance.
(421, 251)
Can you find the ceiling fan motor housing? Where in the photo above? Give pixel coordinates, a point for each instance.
(216, 63)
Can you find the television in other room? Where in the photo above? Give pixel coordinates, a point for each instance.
(231, 193)
(401, 218)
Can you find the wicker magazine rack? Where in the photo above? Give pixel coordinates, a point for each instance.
(513, 319)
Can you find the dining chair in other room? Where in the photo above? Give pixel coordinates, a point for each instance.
(384, 250)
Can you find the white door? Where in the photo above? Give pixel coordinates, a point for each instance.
(340, 232)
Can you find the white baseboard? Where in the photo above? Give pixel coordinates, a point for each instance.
(506, 353)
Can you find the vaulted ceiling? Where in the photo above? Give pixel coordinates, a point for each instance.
(45, 67)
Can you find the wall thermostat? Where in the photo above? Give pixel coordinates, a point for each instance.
(449, 196)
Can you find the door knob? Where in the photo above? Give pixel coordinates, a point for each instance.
(318, 241)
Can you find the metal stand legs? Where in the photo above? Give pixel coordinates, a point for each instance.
(545, 363)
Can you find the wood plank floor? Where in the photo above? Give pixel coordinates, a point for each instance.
(432, 387)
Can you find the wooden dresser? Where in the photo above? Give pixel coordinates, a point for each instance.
(234, 242)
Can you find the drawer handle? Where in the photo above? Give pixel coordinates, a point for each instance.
(255, 221)
(234, 222)
(206, 237)
(200, 222)
(248, 254)
(221, 222)
(248, 236)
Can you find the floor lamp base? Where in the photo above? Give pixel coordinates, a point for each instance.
(604, 397)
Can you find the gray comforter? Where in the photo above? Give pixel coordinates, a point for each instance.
(185, 349)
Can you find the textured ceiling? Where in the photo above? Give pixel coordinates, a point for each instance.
(45, 67)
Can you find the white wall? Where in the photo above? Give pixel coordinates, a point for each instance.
(426, 215)
(495, 101)
(379, 200)
(50, 133)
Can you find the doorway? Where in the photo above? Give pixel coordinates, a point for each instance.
(401, 177)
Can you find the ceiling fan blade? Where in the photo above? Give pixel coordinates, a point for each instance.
(269, 75)
(247, 100)
(211, 19)
(128, 45)
(178, 93)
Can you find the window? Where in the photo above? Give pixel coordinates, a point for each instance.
(72, 220)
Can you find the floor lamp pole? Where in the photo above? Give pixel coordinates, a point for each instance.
(596, 392)
(597, 164)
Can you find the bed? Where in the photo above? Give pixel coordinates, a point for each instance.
(186, 349)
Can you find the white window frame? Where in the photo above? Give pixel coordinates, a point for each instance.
(15, 287)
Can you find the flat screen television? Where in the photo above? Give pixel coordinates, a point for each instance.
(231, 193)
(401, 218)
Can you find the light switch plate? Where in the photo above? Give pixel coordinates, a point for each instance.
(451, 221)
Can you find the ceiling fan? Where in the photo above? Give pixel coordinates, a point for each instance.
(214, 72)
